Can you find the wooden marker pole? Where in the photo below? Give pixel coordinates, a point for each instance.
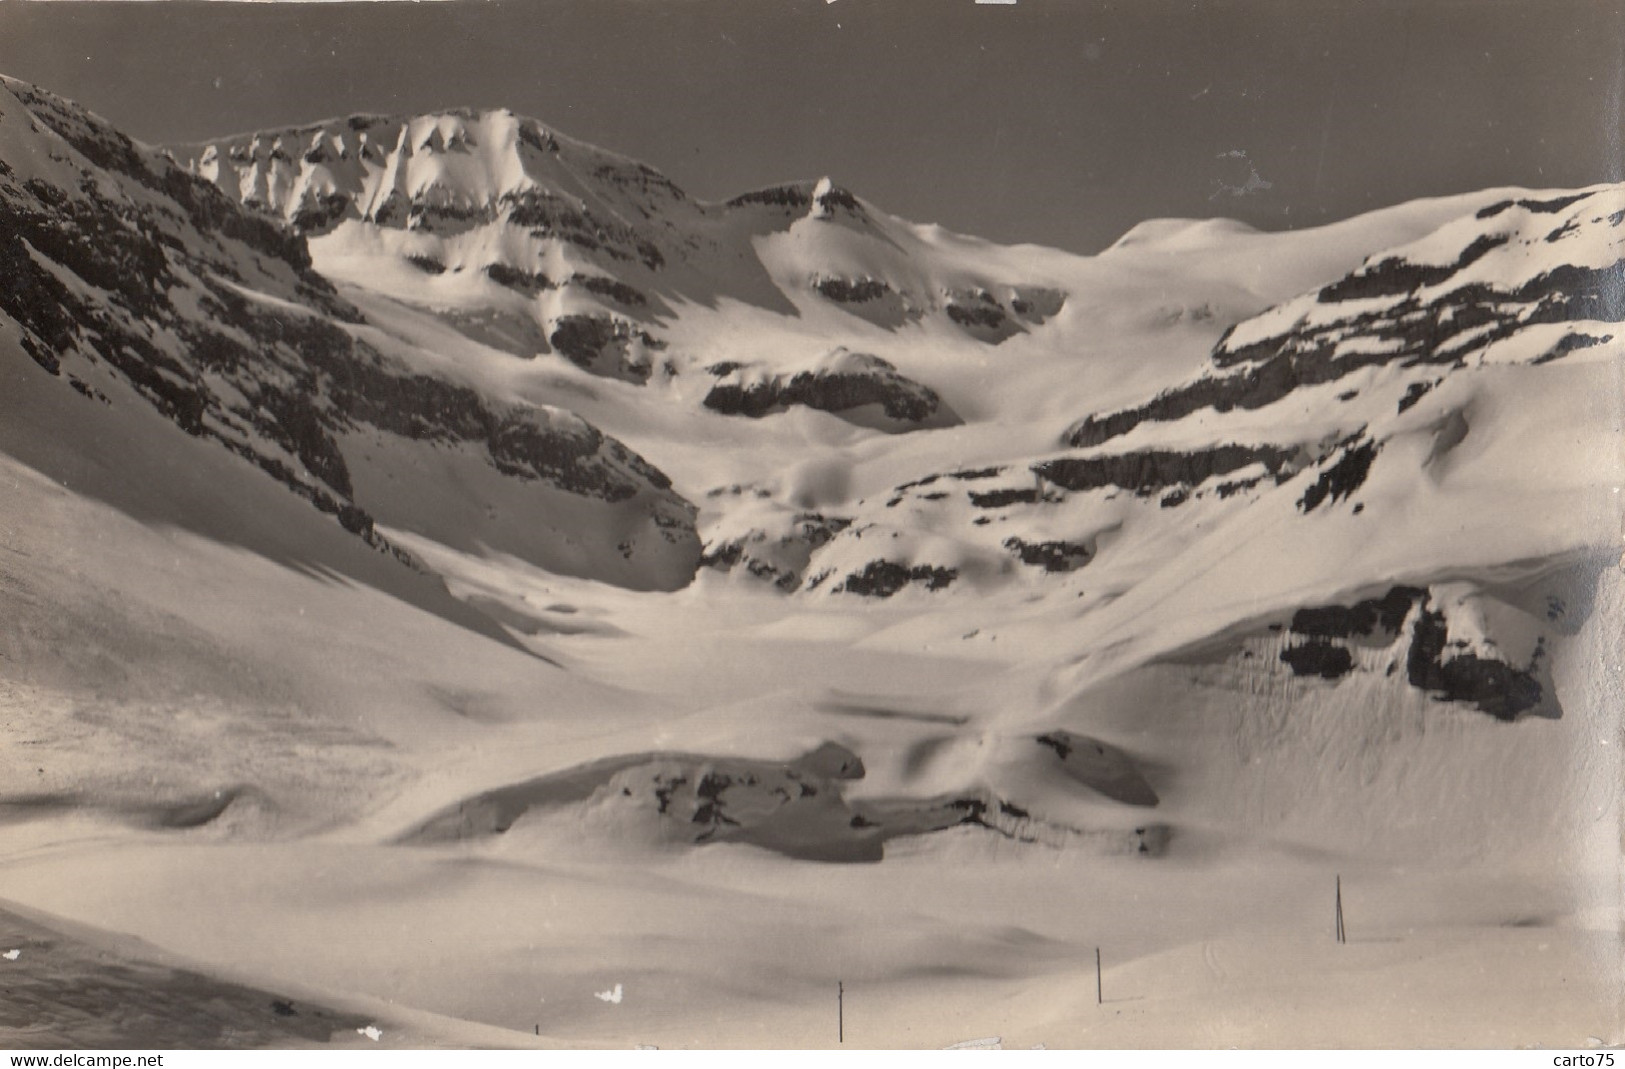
(1342, 935)
(1099, 998)
(840, 1012)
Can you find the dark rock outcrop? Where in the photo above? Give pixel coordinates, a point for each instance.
(605, 345)
(980, 314)
(1322, 641)
(838, 383)
(1153, 470)
(1503, 690)
(851, 291)
(883, 578)
(1052, 556)
(1342, 478)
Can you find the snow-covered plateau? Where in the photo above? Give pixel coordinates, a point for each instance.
(456, 586)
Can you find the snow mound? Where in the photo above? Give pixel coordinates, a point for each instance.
(798, 808)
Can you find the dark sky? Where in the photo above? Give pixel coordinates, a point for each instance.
(1051, 121)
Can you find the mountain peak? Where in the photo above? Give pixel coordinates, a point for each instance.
(460, 164)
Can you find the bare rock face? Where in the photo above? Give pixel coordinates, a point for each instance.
(1052, 555)
(606, 345)
(872, 299)
(981, 315)
(856, 386)
(1453, 641)
(1152, 471)
(883, 578)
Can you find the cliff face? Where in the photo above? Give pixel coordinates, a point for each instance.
(857, 386)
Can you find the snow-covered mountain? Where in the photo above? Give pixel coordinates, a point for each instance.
(804, 533)
(1408, 413)
(541, 243)
(132, 281)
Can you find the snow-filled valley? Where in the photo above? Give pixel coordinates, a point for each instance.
(450, 576)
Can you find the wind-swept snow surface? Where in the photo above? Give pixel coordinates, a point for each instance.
(458, 581)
